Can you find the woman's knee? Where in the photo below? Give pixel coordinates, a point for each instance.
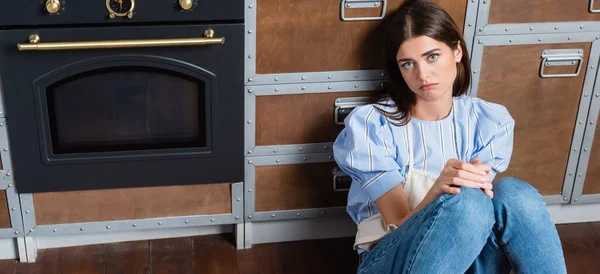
(513, 193)
(472, 206)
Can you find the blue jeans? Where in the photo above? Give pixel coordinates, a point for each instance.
(471, 233)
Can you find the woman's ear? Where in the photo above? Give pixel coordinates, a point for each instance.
(458, 52)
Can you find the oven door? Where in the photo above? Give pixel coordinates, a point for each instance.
(114, 107)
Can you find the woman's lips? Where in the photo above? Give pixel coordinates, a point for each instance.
(428, 86)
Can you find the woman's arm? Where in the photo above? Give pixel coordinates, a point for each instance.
(393, 205)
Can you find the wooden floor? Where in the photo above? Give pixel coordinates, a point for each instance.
(216, 254)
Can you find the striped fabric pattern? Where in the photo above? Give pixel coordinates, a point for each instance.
(374, 152)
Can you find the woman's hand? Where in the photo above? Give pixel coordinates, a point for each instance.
(487, 169)
(457, 173)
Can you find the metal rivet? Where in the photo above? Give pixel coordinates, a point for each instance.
(187, 221)
(330, 157)
(159, 223)
(585, 149)
(355, 86)
(481, 29)
(249, 122)
(474, 72)
(580, 122)
(585, 95)
(237, 217)
(565, 198)
(249, 190)
(5, 149)
(580, 175)
(249, 151)
(326, 147)
(575, 149)
(13, 209)
(530, 28)
(277, 90)
(16, 232)
(597, 37)
(250, 56)
(250, 6)
(506, 29)
(348, 5)
(250, 80)
(556, 28)
(485, 2)
(273, 216)
(54, 230)
(304, 159)
(276, 79)
(329, 87)
(274, 151)
(212, 220)
(1, 124)
(592, 122)
(470, 25)
(249, 216)
(31, 230)
(329, 77)
(238, 199)
(540, 39)
(381, 85)
(592, 67)
(570, 173)
(576, 199)
(303, 78)
(107, 227)
(383, 75)
(581, 27)
(27, 211)
(297, 214)
(570, 38)
(249, 162)
(134, 225)
(574, 62)
(303, 88)
(8, 174)
(580, 51)
(300, 149)
(356, 76)
(510, 40)
(277, 160)
(598, 95)
(376, 4)
(82, 229)
(322, 212)
(479, 42)
(249, 31)
(9, 185)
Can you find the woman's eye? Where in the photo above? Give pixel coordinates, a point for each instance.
(407, 65)
(433, 57)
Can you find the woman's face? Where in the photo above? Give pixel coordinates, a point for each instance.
(428, 67)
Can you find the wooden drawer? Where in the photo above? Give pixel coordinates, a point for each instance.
(541, 11)
(309, 35)
(545, 109)
(296, 186)
(133, 203)
(298, 118)
(592, 178)
(4, 211)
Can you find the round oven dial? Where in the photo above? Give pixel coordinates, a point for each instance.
(186, 4)
(52, 6)
(120, 8)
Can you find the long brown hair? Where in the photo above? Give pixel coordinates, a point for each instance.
(417, 18)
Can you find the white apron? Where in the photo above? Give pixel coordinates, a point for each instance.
(418, 183)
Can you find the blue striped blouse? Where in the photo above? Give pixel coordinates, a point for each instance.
(374, 152)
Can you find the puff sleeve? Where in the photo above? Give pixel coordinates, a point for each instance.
(365, 150)
(495, 135)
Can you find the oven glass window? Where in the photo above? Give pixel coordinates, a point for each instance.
(127, 108)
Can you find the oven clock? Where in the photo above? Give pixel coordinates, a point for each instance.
(120, 8)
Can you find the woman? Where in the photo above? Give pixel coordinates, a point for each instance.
(423, 157)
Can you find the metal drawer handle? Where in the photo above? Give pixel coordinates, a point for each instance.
(343, 107)
(341, 180)
(592, 10)
(361, 4)
(561, 57)
(35, 44)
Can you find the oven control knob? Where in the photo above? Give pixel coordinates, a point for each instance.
(186, 4)
(52, 6)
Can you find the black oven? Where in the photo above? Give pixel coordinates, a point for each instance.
(115, 94)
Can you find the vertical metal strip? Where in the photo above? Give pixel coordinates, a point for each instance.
(21, 249)
(237, 203)
(28, 212)
(470, 24)
(2, 115)
(5, 150)
(593, 90)
(476, 61)
(483, 15)
(250, 41)
(249, 201)
(14, 205)
(250, 122)
(31, 248)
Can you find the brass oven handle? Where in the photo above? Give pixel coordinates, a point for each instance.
(35, 44)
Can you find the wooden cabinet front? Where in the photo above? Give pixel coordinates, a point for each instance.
(4, 211)
(541, 11)
(297, 186)
(131, 203)
(310, 36)
(298, 118)
(592, 179)
(545, 109)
